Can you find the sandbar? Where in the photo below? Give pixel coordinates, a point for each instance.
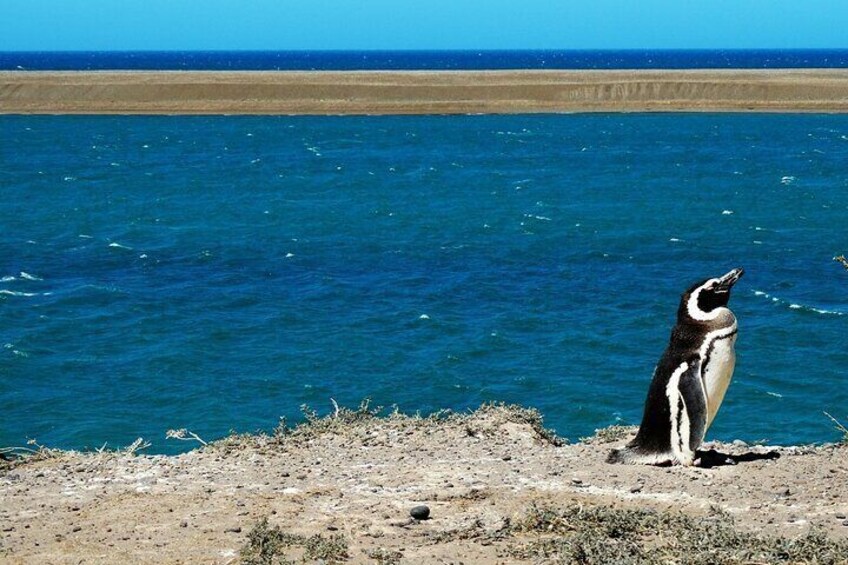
(422, 92)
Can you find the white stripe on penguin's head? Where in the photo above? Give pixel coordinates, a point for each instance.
(705, 300)
(694, 310)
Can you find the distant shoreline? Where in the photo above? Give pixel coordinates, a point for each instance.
(422, 92)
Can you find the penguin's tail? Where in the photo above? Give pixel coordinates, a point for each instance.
(620, 455)
(636, 455)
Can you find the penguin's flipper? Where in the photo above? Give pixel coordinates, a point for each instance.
(688, 404)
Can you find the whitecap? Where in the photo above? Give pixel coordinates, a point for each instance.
(85, 236)
(119, 246)
(30, 277)
(8, 278)
(774, 394)
(796, 306)
(726, 212)
(787, 180)
(674, 239)
(289, 255)
(17, 293)
(423, 317)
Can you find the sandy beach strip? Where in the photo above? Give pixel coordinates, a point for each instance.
(421, 92)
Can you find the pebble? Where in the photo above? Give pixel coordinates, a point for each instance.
(421, 512)
(845, 523)
(840, 516)
(635, 489)
(236, 530)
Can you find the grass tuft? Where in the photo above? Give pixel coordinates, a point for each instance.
(609, 434)
(11, 457)
(270, 546)
(601, 534)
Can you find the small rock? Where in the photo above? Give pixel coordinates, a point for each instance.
(76, 528)
(421, 512)
(184, 524)
(236, 530)
(840, 516)
(845, 523)
(507, 457)
(577, 481)
(332, 528)
(635, 489)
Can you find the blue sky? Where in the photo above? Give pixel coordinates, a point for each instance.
(420, 24)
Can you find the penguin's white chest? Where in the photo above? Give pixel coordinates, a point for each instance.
(716, 373)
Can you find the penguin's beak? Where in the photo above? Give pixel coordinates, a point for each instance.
(725, 282)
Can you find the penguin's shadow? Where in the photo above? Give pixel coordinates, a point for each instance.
(713, 458)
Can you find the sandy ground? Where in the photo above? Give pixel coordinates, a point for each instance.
(422, 92)
(359, 479)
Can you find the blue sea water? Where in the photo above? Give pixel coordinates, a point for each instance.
(215, 273)
(425, 60)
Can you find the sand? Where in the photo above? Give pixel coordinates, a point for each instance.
(357, 477)
(422, 92)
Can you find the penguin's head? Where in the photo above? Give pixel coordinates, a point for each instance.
(702, 299)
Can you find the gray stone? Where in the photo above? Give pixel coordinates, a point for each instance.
(421, 512)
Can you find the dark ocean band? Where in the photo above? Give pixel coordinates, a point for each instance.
(424, 60)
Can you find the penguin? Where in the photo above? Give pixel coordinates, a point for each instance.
(690, 380)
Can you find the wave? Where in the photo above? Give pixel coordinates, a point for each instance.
(796, 306)
(17, 293)
(29, 277)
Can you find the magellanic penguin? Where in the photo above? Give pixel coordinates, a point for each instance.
(690, 379)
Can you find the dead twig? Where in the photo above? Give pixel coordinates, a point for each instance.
(184, 435)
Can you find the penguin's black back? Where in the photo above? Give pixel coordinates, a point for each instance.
(655, 430)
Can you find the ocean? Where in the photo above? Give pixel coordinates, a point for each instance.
(424, 60)
(216, 273)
